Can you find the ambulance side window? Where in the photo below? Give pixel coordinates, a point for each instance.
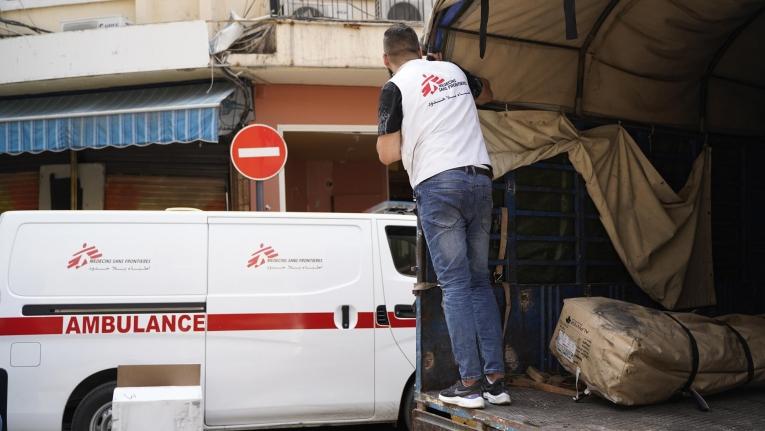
(402, 241)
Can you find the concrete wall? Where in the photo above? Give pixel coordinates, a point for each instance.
(212, 10)
(322, 44)
(320, 52)
(122, 50)
(50, 18)
(48, 14)
(215, 11)
(153, 11)
(307, 52)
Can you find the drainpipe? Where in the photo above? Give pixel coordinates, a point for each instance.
(73, 189)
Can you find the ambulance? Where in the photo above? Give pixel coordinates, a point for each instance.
(295, 319)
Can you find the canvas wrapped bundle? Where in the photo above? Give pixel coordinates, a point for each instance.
(632, 355)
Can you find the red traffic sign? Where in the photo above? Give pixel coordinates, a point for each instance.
(258, 152)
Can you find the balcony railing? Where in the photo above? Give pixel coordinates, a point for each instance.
(353, 10)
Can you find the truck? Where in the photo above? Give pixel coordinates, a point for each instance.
(678, 82)
(294, 319)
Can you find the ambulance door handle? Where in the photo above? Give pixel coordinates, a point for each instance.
(404, 311)
(346, 310)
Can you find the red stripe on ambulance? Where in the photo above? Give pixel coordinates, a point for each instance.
(173, 323)
(31, 325)
(395, 322)
(366, 320)
(270, 321)
(282, 321)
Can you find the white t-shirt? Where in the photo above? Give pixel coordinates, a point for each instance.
(440, 128)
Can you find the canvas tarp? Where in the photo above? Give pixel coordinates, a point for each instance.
(662, 237)
(634, 355)
(690, 64)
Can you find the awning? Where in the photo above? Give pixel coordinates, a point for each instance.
(164, 115)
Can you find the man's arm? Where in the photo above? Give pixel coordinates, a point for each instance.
(389, 147)
(389, 118)
(480, 87)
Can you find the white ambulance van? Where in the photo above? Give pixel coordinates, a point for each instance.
(296, 319)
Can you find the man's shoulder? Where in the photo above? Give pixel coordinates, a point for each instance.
(445, 68)
(445, 65)
(390, 86)
(413, 70)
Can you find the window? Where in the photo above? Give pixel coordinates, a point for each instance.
(307, 12)
(404, 12)
(403, 247)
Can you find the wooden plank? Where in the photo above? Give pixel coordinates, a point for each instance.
(523, 382)
(536, 375)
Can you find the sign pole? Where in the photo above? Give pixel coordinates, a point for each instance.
(260, 201)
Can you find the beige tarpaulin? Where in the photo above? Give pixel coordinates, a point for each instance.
(663, 237)
(692, 64)
(634, 355)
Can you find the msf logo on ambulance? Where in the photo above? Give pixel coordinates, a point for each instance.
(83, 256)
(260, 257)
(431, 84)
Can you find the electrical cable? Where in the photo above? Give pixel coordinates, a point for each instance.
(16, 33)
(243, 85)
(21, 24)
(26, 12)
(248, 7)
(256, 40)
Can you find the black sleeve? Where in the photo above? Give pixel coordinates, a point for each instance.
(474, 82)
(390, 114)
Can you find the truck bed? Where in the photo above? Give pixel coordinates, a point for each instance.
(531, 409)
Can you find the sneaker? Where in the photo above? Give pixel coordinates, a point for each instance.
(463, 396)
(495, 393)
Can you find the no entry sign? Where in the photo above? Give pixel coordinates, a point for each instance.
(258, 152)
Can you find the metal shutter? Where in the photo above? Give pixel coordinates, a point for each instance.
(138, 192)
(19, 191)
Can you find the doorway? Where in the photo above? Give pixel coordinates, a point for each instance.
(335, 171)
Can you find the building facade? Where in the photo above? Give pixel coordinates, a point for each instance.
(132, 104)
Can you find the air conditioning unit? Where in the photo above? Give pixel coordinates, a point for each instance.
(406, 10)
(312, 9)
(94, 23)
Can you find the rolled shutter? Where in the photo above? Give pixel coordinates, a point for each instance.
(138, 192)
(19, 191)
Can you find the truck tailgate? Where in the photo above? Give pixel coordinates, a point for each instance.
(531, 409)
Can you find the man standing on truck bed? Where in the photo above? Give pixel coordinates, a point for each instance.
(428, 119)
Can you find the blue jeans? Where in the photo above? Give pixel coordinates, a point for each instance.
(455, 212)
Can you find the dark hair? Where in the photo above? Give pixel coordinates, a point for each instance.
(400, 39)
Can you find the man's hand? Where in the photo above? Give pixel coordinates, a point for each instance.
(486, 95)
(435, 56)
(389, 147)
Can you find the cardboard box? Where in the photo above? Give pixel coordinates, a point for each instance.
(158, 375)
(158, 398)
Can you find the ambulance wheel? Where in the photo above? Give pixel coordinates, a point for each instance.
(94, 413)
(406, 410)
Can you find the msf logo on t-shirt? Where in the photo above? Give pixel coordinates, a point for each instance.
(431, 84)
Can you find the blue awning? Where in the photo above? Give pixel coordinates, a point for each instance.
(164, 115)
